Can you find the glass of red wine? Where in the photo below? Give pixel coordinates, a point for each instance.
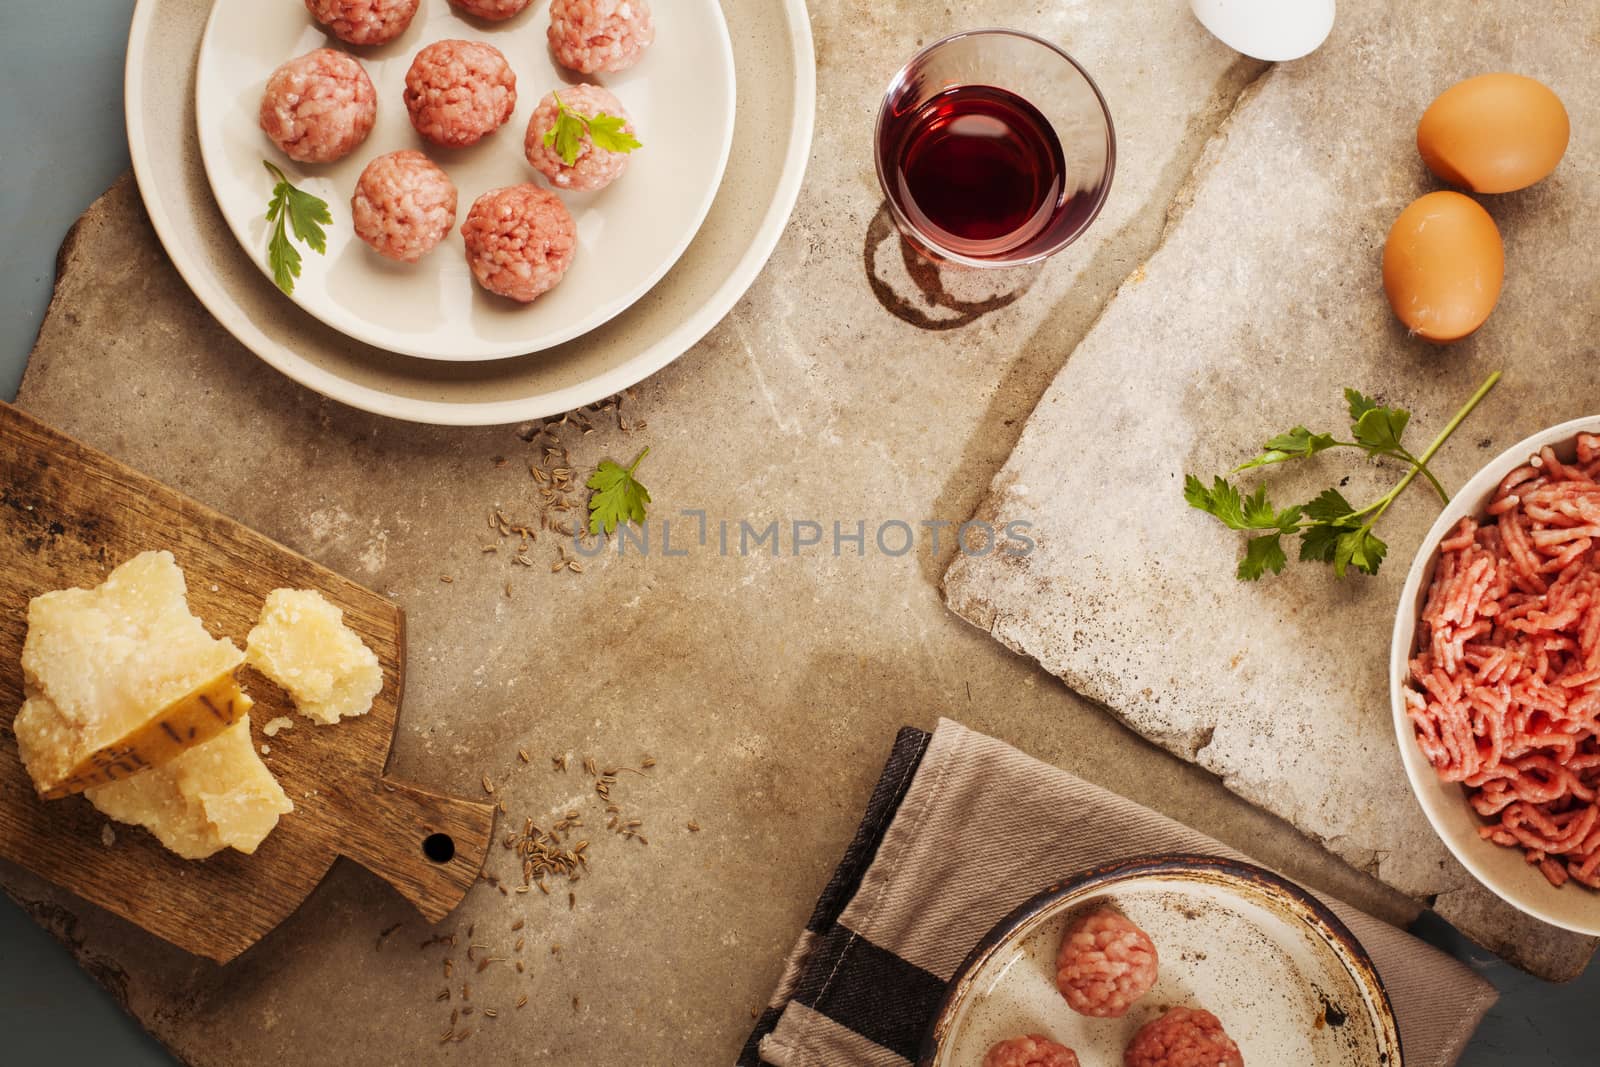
(994, 148)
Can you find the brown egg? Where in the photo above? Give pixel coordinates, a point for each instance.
(1442, 266)
(1494, 133)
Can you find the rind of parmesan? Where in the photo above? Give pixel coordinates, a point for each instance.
(216, 795)
(99, 664)
(302, 643)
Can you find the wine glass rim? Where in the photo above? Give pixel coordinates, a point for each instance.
(905, 224)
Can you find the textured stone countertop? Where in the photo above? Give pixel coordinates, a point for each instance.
(852, 383)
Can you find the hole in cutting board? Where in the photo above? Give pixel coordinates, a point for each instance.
(440, 848)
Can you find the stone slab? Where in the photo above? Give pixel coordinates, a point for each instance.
(1262, 303)
(768, 689)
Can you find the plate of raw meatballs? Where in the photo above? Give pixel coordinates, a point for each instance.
(465, 179)
(1169, 961)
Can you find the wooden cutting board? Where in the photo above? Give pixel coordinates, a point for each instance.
(68, 515)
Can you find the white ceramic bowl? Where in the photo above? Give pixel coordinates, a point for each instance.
(1289, 981)
(1503, 871)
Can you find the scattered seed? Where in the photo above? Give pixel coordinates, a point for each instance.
(522, 1000)
(444, 994)
(516, 925)
(560, 762)
(448, 966)
(488, 786)
(384, 935)
(519, 966)
(694, 827)
(491, 1013)
(518, 947)
(446, 579)
(572, 901)
(647, 762)
(522, 754)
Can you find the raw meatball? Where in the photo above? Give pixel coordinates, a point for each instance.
(319, 106)
(1183, 1037)
(459, 91)
(1034, 1050)
(594, 168)
(520, 241)
(600, 35)
(493, 10)
(363, 21)
(403, 205)
(1105, 964)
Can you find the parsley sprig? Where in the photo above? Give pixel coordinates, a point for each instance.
(292, 211)
(605, 131)
(618, 497)
(1331, 529)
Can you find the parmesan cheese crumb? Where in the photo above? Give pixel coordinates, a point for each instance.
(282, 722)
(108, 836)
(302, 643)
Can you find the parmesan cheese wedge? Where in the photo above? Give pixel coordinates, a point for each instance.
(302, 643)
(215, 795)
(120, 678)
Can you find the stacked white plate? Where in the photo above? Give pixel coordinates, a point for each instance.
(664, 253)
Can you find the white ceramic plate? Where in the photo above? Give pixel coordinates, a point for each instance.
(1503, 871)
(772, 139)
(680, 97)
(1289, 982)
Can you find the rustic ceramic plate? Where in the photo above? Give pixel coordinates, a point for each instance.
(772, 139)
(680, 97)
(1502, 870)
(1289, 981)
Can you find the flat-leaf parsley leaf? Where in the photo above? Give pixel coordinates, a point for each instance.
(618, 497)
(292, 211)
(606, 131)
(1331, 529)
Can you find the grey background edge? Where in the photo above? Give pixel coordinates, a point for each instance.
(62, 143)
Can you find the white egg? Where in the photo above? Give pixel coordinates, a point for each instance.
(1275, 30)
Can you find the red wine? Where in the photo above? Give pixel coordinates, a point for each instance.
(978, 169)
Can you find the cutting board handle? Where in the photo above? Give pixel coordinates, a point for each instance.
(428, 846)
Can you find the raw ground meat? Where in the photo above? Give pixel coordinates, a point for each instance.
(520, 241)
(594, 168)
(457, 92)
(1105, 964)
(403, 206)
(1505, 685)
(318, 107)
(363, 21)
(493, 10)
(1183, 1037)
(1035, 1050)
(589, 36)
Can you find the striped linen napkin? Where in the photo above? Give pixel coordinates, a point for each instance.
(957, 815)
